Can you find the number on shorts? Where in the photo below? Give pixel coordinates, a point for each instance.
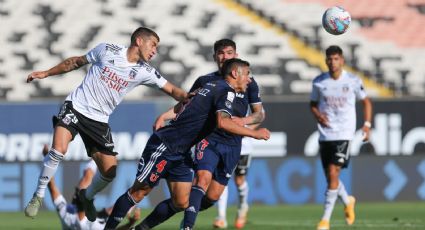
(160, 166)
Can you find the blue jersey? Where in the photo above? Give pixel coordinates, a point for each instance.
(240, 106)
(197, 118)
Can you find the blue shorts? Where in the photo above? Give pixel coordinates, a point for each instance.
(157, 162)
(219, 159)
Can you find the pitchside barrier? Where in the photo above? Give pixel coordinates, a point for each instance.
(285, 169)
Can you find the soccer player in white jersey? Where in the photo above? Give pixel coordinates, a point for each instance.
(76, 219)
(115, 70)
(333, 100)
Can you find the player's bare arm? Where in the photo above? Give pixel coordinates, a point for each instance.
(175, 92)
(257, 116)
(224, 121)
(321, 118)
(367, 116)
(65, 66)
(164, 117)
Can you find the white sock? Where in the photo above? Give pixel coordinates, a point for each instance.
(243, 195)
(50, 165)
(331, 196)
(98, 184)
(342, 193)
(222, 204)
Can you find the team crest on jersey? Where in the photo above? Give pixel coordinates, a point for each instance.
(132, 74)
(228, 104)
(230, 96)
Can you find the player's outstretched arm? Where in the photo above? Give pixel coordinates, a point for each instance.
(65, 66)
(225, 122)
(175, 92)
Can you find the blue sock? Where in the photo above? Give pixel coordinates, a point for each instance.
(161, 213)
(195, 199)
(206, 203)
(121, 207)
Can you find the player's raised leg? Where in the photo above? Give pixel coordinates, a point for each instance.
(51, 161)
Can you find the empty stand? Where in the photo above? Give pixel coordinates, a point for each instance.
(53, 30)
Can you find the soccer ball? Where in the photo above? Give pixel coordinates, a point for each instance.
(336, 20)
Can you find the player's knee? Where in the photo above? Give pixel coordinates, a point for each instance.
(203, 180)
(239, 180)
(180, 204)
(110, 173)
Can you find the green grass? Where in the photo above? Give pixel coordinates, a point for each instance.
(369, 216)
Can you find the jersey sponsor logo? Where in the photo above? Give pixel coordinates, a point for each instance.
(240, 95)
(230, 96)
(113, 80)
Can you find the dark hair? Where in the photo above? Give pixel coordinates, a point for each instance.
(142, 32)
(331, 50)
(229, 64)
(220, 44)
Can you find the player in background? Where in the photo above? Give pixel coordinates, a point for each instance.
(167, 153)
(76, 219)
(242, 189)
(333, 100)
(115, 70)
(218, 154)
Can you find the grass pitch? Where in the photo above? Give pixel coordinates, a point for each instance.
(375, 216)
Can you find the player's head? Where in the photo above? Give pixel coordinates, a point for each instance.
(224, 49)
(146, 40)
(334, 59)
(236, 71)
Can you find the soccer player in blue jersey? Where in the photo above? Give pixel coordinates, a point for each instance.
(218, 154)
(167, 153)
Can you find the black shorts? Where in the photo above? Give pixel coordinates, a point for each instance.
(335, 152)
(243, 165)
(96, 135)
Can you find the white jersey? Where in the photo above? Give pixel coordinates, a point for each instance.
(70, 221)
(337, 100)
(109, 79)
